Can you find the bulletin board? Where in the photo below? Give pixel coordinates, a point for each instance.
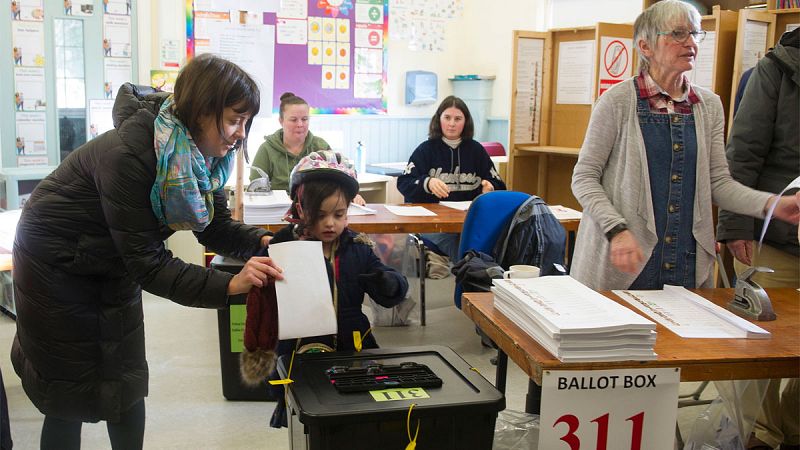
(335, 57)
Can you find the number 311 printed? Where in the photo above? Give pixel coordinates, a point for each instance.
(637, 423)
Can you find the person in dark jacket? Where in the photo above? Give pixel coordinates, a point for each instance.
(450, 166)
(91, 237)
(764, 153)
(322, 186)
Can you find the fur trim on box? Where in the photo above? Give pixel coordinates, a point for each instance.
(256, 366)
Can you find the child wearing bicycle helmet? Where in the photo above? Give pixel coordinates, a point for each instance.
(322, 185)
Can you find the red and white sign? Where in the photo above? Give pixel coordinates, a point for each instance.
(609, 409)
(615, 61)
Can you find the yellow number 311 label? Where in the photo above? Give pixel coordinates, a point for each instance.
(387, 395)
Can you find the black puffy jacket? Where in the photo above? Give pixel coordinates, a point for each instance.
(86, 245)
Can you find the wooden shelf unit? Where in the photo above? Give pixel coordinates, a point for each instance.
(733, 5)
(544, 167)
(776, 22)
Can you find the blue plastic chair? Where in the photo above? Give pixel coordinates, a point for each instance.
(486, 219)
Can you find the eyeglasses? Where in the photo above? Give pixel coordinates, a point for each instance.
(680, 36)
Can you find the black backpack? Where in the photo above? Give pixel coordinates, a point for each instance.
(533, 237)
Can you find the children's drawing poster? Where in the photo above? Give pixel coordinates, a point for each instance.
(332, 53)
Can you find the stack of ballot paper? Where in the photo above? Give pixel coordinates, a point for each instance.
(265, 208)
(691, 316)
(573, 322)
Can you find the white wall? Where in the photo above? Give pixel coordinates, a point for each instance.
(479, 42)
(577, 13)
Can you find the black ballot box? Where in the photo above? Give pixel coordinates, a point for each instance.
(458, 415)
(231, 341)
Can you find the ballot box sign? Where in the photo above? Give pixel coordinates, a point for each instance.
(609, 409)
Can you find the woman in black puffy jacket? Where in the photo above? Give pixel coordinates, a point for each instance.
(91, 237)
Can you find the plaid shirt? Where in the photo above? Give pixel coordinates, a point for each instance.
(660, 102)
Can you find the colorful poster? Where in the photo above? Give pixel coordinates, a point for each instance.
(117, 36)
(164, 79)
(32, 10)
(119, 7)
(28, 43)
(171, 52)
(316, 62)
(30, 138)
(100, 118)
(77, 8)
(117, 71)
(29, 89)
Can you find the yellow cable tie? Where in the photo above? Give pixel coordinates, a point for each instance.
(288, 379)
(358, 341)
(475, 369)
(412, 442)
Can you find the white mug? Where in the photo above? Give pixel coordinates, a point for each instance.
(521, 271)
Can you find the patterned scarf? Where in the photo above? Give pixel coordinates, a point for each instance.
(183, 194)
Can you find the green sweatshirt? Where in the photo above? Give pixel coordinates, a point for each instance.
(274, 159)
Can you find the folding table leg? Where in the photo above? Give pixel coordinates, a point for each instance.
(423, 273)
(533, 401)
(502, 369)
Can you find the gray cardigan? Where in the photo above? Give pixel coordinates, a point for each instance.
(612, 184)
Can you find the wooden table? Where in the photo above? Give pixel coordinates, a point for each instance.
(699, 359)
(447, 220)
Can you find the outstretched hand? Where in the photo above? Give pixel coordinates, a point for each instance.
(788, 208)
(256, 272)
(626, 255)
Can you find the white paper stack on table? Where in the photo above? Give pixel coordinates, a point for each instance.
(573, 322)
(691, 316)
(265, 208)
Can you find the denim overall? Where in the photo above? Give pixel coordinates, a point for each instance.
(670, 141)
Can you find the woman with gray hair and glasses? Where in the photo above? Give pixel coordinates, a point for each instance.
(653, 163)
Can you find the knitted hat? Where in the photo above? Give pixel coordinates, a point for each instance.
(257, 360)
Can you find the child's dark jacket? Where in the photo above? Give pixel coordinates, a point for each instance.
(355, 261)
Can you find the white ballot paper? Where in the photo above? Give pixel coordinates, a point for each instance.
(358, 210)
(305, 306)
(792, 185)
(410, 211)
(691, 316)
(463, 206)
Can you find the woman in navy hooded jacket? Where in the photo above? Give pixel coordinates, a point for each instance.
(450, 166)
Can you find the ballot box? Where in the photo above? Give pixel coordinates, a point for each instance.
(370, 408)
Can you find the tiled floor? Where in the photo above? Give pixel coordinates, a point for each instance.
(186, 409)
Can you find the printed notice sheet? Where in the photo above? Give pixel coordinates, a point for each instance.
(754, 43)
(304, 308)
(703, 72)
(530, 54)
(575, 73)
(689, 315)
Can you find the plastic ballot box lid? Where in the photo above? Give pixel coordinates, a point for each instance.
(318, 402)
